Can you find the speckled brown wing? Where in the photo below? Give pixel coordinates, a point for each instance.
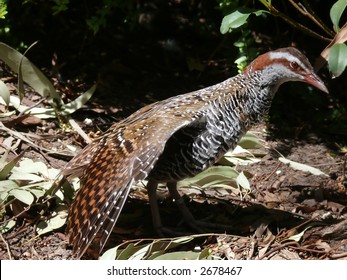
(76, 166)
(126, 154)
(102, 195)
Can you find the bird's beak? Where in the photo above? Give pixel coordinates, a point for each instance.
(315, 81)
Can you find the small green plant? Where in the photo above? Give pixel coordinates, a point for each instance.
(25, 184)
(3, 9)
(30, 74)
(245, 44)
(99, 19)
(30, 185)
(157, 249)
(246, 50)
(60, 6)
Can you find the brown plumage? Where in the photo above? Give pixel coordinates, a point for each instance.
(170, 140)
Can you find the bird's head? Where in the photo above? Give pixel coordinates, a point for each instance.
(285, 64)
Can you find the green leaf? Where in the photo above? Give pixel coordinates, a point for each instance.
(29, 166)
(57, 221)
(3, 160)
(7, 168)
(43, 113)
(14, 101)
(242, 59)
(7, 114)
(38, 189)
(5, 187)
(5, 227)
(3, 9)
(205, 254)
(214, 173)
(141, 253)
(336, 12)
(240, 155)
(302, 167)
(250, 141)
(23, 176)
(51, 173)
(71, 107)
(38, 193)
(298, 237)
(110, 254)
(181, 255)
(129, 251)
(234, 160)
(337, 59)
(60, 6)
(4, 93)
(166, 244)
(146, 251)
(30, 74)
(22, 195)
(243, 182)
(237, 18)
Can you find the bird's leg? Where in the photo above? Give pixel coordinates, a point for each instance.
(157, 224)
(187, 215)
(152, 196)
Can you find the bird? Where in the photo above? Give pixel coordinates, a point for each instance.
(173, 139)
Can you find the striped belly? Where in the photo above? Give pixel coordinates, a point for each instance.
(192, 150)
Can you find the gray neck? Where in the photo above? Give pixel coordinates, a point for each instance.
(258, 97)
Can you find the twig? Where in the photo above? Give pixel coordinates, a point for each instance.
(7, 246)
(297, 25)
(20, 136)
(308, 12)
(20, 230)
(344, 168)
(279, 247)
(304, 223)
(311, 11)
(25, 139)
(79, 130)
(11, 149)
(272, 172)
(14, 217)
(32, 106)
(309, 250)
(338, 256)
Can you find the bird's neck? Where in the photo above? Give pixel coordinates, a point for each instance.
(255, 97)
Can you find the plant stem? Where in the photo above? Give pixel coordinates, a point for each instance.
(308, 12)
(292, 22)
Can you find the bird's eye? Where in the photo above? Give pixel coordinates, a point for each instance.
(294, 65)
